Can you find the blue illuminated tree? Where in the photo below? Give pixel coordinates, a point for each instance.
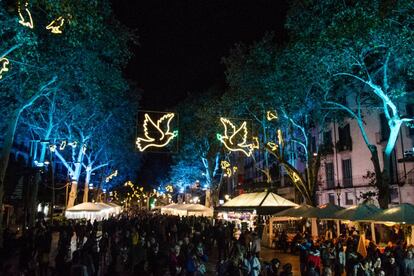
(364, 50)
(82, 62)
(264, 78)
(199, 124)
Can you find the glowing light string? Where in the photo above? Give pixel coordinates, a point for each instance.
(273, 146)
(270, 115)
(169, 188)
(27, 22)
(62, 145)
(235, 140)
(84, 149)
(256, 143)
(225, 166)
(52, 148)
(73, 144)
(55, 25)
(4, 62)
(112, 175)
(156, 134)
(295, 177)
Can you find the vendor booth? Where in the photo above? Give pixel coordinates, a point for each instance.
(91, 211)
(116, 207)
(286, 221)
(244, 209)
(187, 210)
(402, 215)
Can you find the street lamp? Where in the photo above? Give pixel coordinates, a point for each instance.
(338, 193)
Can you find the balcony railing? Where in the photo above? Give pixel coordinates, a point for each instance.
(344, 146)
(325, 149)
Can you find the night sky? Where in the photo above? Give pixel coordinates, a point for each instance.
(181, 46)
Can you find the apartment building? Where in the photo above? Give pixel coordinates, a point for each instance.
(343, 174)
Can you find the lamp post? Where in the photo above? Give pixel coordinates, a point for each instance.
(338, 187)
(338, 193)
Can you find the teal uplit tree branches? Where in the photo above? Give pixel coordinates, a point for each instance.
(199, 124)
(364, 49)
(265, 78)
(83, 61)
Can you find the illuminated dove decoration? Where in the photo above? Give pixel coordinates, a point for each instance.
(156, 134)
(235, 139)
(4, 63)
(25, 16)
(55, 25)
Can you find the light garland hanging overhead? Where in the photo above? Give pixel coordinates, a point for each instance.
(235, 139)
(158, 134)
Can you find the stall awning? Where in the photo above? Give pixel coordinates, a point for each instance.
(403, 213)
(262, 202)
(295, 212)
(92, 211)
(326, 211)
(358, 212)
(187, 210)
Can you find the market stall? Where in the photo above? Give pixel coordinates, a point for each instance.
(116, 207)
(285, 220)
(90, 211)
(244, 209)
(361, 212)
(402, 214)
(187, 210)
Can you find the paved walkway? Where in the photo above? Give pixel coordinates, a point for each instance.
(268, 254)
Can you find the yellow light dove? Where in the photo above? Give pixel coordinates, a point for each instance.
(55, 25)
(25, 16)
(156, 134)
(4, 62)
(238, 137)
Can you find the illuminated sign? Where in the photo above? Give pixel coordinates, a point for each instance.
(157, 134)
(235, 139)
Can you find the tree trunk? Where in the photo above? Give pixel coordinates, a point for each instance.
(35, 188)
(73, 193)
(32, 212)
(86, 186)
(4, 162)
(380, 179)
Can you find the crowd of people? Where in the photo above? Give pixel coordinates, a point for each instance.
(143, 244)
(153, 244)
(345, 255)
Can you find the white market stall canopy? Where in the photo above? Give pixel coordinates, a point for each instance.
(262, 202)
(92, 211)
(187, 210)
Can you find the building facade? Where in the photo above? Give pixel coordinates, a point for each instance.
(344, 176)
